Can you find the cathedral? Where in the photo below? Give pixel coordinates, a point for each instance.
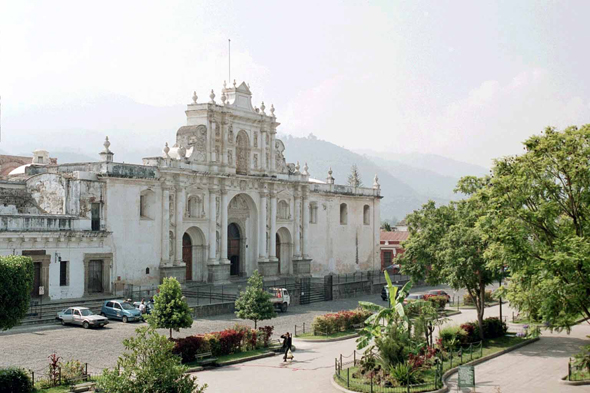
(220, 203)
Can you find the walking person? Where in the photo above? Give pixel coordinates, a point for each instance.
(287, 343)
(142, 307)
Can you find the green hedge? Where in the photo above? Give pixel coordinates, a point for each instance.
(16, 284)
(15, 380)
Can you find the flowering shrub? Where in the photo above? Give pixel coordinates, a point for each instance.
(230, 341)
(265, 334)
(338, 322)
(189, 347)
(439, 302)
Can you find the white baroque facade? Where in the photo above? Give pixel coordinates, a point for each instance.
(220, 203)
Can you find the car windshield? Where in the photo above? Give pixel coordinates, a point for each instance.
(127, 306)
(85, 312)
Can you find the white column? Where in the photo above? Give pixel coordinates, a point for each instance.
(262, 227)
(212, 226)
(273, 226)
(180, 197)
(305, 211)
(263, 150)
(297, 224)
(165, 226)
(223, 214)
(272, 152)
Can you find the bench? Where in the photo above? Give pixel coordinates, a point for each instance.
(205, 358)
(83, 387)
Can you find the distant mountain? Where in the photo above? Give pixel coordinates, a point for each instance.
(442, 165)
(399, 198)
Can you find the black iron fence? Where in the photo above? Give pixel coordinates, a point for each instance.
(62, 375)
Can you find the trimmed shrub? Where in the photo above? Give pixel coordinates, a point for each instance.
(230, 341)
(488, 298)
(439, 302)
(338, 322)
(189, 347)
(452, 336)
(494, 328)
(472, 332)
(15, 380)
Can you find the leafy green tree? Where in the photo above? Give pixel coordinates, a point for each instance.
(171, 310)
(254, 303)
(386, 226)
(447, 247)
(539, 220)
(16, 284)
(148, 366)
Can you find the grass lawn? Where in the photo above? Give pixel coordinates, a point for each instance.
(489, 347)
(311, 336)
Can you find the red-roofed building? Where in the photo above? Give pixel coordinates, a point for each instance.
(390, 244)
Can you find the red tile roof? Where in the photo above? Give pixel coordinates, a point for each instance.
(395, 236)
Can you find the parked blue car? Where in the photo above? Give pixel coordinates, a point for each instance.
(119, 309)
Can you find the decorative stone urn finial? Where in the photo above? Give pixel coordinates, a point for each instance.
(262, 108)
(224, 85)
(166, 150)
(234, 83)
(305, 170)
(330, 179)
(223, 97)
(195, 97)
(106, 154)
(376, 184)
(212, 96)
(297, 168)
(272, 110)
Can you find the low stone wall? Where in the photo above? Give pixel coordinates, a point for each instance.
(210, 310)
(352, 289)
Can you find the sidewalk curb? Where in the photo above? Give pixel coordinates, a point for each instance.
(573, 383)
(450, 372)
(328, 340)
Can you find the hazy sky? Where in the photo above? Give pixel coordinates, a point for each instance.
(465, 79)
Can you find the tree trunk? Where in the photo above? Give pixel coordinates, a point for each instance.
(480, 305)
(170, 333)
(255, 321)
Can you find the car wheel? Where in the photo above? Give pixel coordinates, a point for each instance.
(85, 325)
(63, 323)
(103, 314)
(125, 319)
(284, 307)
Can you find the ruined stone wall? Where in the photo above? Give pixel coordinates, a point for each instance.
(17, 200)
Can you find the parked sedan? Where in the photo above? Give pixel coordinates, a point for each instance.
(119, 309)
(81, 316)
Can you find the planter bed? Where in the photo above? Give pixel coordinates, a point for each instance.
(490, 347)
(330, 337)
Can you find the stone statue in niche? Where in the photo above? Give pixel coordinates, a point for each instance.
(230, 134)
(171, 246)
(171, 209)
(255, 161)
(217, 130)
(230, 157)
(216, 153)
(255, 139)
(267, 140)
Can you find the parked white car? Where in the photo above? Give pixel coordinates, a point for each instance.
(280, 298)
(81, 316)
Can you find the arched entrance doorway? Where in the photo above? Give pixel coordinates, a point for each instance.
(187, 255)
(193, 254)
(233, 248)
(284, 250)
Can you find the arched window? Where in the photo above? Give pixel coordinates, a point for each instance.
(367, 215)
(283, 211)
(147, 201)
(343, 214)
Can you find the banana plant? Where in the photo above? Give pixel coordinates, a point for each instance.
(394, 315)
